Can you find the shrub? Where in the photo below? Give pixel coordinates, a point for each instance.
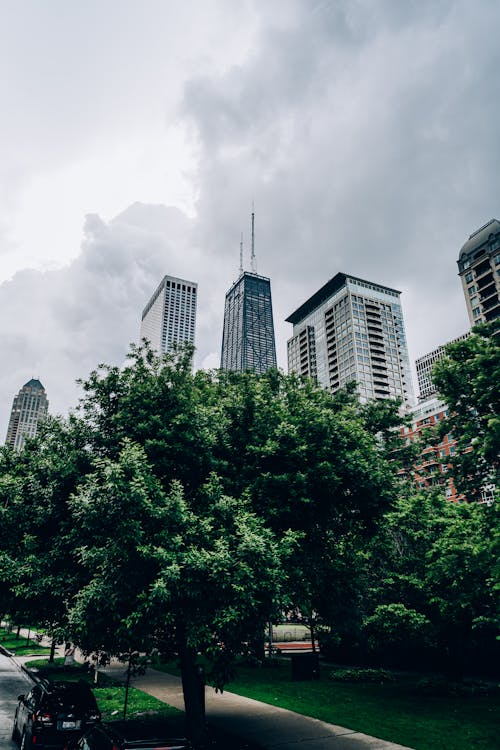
(362, 675)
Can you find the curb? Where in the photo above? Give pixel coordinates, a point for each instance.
(6, 652)
(21, 667)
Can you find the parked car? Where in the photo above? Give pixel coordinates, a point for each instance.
(52, 713)
(129, 735)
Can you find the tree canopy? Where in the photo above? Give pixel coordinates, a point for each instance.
(467, 378)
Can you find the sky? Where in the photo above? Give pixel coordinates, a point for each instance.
(136, 134)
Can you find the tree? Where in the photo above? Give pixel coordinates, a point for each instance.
(431, 570)
(35, 522)
(468, 378)
(309, 461)
(183, 576)
(182, 498)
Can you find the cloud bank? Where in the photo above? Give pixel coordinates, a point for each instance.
(366, 134)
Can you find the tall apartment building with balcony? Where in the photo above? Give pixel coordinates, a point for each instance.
(479, 269)
(169, 318)
(29, 407)
(352, 329)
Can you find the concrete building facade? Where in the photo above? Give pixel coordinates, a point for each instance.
(479, 270)
(425, 364)
(353, 329)
(248, 333)
(29, 408)
(169, 318)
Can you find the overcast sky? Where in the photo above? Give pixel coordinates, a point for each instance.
(135, 134)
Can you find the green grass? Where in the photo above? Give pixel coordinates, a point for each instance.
(391, 711)
(394, 711)
(21, 646)
(109, 693)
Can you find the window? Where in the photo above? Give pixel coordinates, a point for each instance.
(468, 277)
(476, 312)
(472, 289)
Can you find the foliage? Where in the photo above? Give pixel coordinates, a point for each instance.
(180, 512)
(396, 624)
(437, 686)
(37, 558)
(431, 579)
(468, 378)
(361, 675)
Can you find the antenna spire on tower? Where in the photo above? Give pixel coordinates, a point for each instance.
(241, 253)
(253, 264)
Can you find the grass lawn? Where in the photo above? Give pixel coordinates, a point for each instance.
(21, 646)
(110, 695)
(390, 711)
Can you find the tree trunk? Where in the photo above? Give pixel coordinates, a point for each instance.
(313, 634)
(456, 656)
(127, 687)
(52, 651)
(196, 727)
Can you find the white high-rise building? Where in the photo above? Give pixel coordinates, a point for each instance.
(424, 366)
(169, 318)
(29, 407)
(352, 329)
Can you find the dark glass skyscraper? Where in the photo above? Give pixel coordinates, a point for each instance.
(248, 336)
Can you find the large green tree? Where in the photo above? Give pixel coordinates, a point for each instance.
(174, 499)
(306, 460)
(430, 578)
(180, 575)
(36, 557)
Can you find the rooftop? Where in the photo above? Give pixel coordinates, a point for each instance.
(327, 291)
(478, 238)
(33, 383)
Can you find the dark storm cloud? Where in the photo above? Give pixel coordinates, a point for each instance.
(367, 134)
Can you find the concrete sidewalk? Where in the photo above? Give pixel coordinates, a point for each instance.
(259, 723)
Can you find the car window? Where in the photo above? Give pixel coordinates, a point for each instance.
(34, 697)
(95, 740)
(73, 695)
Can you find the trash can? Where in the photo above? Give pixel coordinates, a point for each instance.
(305, 666)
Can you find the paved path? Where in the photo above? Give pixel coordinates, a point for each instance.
(268, 726)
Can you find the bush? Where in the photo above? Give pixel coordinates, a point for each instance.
(362, 675)
(437, 686)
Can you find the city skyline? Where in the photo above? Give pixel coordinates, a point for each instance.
(144, 157)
